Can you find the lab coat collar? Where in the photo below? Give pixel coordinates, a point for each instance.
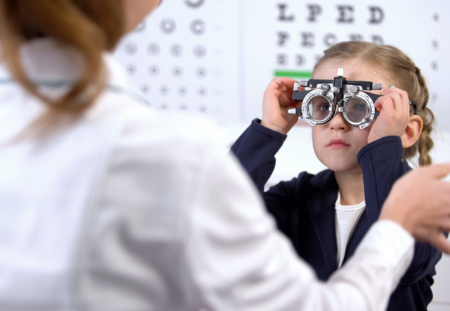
(46, 60)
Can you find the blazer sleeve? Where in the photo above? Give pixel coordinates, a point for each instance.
(256, 149)
(382, 166)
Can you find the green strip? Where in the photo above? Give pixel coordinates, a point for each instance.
(293, 74)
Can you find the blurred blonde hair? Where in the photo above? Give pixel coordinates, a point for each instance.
(403, 73)
(88, 26)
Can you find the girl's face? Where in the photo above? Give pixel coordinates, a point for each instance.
(337, 143)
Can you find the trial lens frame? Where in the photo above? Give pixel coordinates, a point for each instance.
(338, 92)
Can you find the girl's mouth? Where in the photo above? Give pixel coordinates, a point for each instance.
(337, 143)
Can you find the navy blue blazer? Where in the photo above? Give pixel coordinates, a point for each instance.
(304, 208)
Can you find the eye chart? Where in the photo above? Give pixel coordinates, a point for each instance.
(218, 56)
(184, 57)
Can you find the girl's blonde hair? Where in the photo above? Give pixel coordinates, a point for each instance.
(88, 26)
(403, 73)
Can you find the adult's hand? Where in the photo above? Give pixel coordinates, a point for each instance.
(276, 103)
(420, 202)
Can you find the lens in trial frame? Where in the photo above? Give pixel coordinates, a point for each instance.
(356, 109)
(319, 108)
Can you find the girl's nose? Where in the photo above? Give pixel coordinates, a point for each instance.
(338, 123)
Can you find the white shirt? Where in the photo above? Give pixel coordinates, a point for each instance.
(347, 216)
(131, 209)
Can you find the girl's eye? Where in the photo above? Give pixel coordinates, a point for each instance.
(359, 107)
(324, 107)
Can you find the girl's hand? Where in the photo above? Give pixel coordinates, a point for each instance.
(276, 103)
(394, 114)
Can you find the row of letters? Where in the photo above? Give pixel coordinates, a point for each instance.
(309, 40)
(300, 60)
(345, 14)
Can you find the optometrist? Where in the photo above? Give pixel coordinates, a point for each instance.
(106, 204)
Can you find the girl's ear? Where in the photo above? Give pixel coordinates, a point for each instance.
(412, 131)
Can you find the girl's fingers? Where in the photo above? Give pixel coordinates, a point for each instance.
(402, 98)
(282, 83)
(277, 99)
(385, 103)
(286, 109)
(400, 104)
(285, 99)
(284, 95)
(396, 101)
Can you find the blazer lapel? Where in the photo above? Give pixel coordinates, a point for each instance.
(367, 219)
(360, 230)
(321, 208)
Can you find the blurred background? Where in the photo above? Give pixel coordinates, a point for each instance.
(216, 57)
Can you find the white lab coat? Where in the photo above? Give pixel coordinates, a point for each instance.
(132, 209)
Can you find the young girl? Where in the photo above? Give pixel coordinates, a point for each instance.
(326, 215)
